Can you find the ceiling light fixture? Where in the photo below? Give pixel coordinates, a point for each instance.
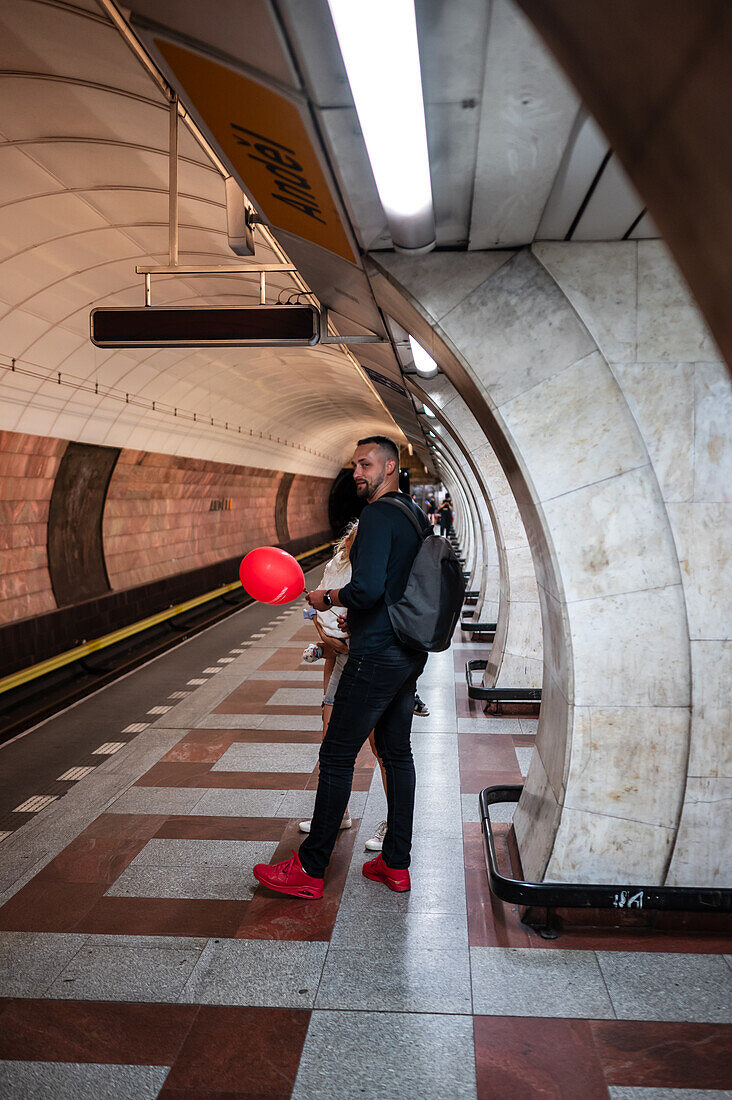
(390, 107)
(428, 412)
(423, 362)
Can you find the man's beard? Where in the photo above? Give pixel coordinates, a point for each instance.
(370, 488)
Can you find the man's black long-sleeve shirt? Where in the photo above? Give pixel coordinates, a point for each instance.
(382, 555)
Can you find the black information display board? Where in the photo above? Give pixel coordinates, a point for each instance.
(208, 326)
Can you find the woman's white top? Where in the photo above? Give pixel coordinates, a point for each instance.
(337, 574)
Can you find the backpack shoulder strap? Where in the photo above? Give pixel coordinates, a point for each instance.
(407, 511)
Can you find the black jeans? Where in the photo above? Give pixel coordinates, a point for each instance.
(376, 692)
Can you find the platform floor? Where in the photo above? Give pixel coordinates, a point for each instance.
(139, 957)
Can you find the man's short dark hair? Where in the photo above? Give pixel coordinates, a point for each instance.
(388, 446)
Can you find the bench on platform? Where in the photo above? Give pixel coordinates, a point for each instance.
(497, 695)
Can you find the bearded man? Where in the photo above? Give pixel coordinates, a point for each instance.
(377, 686)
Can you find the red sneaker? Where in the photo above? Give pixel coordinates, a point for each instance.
(289, 877)
(392, 877)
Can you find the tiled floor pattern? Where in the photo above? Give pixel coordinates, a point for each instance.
(142, 959)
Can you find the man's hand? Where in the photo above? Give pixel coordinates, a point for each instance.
(335, 645)
(343, 624)
(316, 599)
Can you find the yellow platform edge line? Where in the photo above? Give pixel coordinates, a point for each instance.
(25, 675)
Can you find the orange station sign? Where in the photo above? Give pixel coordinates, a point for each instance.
(262, 134)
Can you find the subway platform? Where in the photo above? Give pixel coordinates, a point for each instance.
(140, 958)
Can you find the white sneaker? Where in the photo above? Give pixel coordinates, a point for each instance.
(376, 843)
(312, 653)
(304, 826)
(420, 707)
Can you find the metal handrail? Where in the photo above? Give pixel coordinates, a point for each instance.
(576, 895)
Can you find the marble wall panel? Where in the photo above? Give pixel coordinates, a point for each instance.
(670, 326)
(523, 578)
(625, 762)
(524, 633)
(521, 663)
(588, 362)
(518, 670)
(472, 435)
(488, 580)
(518, 617)
(441, 280)
(512, 528)
(535, 821)
(599, 278)
(481, 530)
(558, 659)
(702, 533)
(554, 733)
(711, 745)
(712, 420)
(596, 847)
(680, 395)
(573, 429)
(661, 398)
(624, 541)
(631, 648)
(517, 330)
(703, 852)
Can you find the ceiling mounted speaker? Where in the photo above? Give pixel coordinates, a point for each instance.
(238, 224)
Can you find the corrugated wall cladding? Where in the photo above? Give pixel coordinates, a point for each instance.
(162, 516)
(28, 466)
(307, 506)
(167, 515)
(159, 520)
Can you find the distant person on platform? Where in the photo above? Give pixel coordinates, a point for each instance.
(444, 514)
(377, 687)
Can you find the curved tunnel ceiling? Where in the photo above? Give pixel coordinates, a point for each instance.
(83, 199)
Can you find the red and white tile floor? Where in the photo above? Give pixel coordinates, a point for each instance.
(139, 957)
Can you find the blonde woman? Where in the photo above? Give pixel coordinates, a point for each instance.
(334, 643)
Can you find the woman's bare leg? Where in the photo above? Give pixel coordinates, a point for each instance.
(327, 673)
(372, 743)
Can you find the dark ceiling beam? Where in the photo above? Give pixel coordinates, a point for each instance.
(657, 77)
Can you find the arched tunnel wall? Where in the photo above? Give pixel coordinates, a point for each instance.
(165, 514)
(28, 466)
(595, 380)
(93, 538)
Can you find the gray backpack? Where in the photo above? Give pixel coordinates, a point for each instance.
(426, 615)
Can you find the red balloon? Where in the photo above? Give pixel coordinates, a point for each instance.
(272, 575)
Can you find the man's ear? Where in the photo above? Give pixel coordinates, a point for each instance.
(390, 462)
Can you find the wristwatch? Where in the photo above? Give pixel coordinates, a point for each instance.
(327, 599)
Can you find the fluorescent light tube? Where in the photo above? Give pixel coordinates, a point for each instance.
(423, 362)
(378, 41)
(428, 412)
